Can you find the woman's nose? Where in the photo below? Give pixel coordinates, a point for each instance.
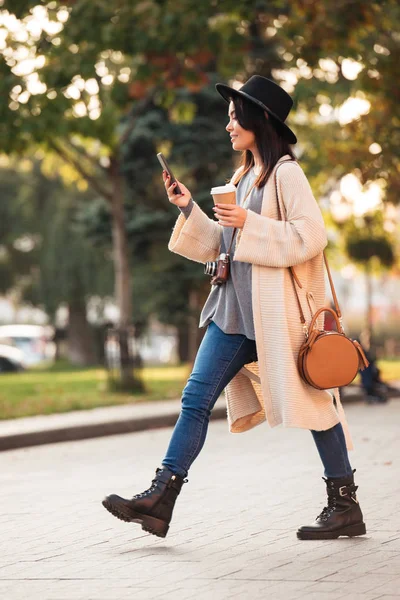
(229, 127)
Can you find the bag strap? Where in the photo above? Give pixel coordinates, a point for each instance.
(335, 300)
(292, 272)
(230, 245)
(243, 203)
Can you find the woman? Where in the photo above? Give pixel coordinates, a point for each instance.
(253, 328)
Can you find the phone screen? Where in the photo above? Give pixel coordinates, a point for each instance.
(166, 167)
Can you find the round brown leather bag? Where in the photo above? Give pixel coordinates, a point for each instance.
(329, 359)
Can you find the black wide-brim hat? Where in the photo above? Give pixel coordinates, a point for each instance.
(269, 96)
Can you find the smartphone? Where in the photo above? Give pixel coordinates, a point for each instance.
(166, 167)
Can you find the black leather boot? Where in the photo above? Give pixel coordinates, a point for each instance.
(342, 515)
(153, 508)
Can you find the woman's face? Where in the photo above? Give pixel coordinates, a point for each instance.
(242, 139)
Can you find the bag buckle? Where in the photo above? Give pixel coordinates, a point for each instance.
(305, 329)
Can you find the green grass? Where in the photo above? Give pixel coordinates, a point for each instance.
(62, 388)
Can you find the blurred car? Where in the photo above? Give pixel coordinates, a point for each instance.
(11, 359)
(34, 341)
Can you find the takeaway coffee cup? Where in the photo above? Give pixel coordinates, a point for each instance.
(224, 194)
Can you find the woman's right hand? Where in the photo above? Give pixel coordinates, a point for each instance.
(180, 200)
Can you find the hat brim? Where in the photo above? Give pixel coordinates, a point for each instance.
(227, 93)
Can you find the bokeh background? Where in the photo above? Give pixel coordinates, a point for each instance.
(93, 307)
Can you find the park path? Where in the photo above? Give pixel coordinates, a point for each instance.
(233, 533)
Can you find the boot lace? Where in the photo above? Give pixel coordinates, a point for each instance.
(147, 492)
(331, 506)
(327, 510)
(152, 488)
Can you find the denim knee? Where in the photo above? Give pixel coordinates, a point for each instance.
(197, 397)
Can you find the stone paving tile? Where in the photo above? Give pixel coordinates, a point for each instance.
(233, 532)
(374, 595)
(391, 586)
(324, 586)
(340, 595)
(370, 582)
(390, 567)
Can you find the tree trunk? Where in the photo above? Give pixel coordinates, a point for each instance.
(122, 274)
(189, 333)
(183, 342)
(80, 343)
(193, 325)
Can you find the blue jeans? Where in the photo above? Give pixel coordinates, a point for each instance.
(219, 358)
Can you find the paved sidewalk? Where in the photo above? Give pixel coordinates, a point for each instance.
(233, 535)
(98, 422)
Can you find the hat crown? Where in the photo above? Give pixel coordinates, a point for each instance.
(268, 93)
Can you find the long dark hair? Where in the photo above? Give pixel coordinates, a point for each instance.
(271, 144)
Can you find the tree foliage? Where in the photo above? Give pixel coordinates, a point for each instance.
(150, 217)
(116, 82)
(133, 48)
(45, 250)
(368, 241)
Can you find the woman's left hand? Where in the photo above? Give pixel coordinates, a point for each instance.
(230, 215)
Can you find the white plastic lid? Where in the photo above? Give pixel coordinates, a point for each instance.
(223, 189)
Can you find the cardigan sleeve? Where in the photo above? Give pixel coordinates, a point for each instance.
(272, 243)
(196, 237)
(186, 210)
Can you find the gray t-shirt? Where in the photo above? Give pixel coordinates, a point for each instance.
(229, 305)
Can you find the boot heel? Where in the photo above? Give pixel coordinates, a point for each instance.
(154, 526)
(354, 530)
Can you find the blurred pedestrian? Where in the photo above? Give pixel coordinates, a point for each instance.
(375, 389)
(253, 331)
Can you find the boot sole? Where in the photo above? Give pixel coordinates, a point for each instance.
(350, 531)
(149, 524)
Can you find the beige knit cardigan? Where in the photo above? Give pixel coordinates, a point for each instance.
(271, 389)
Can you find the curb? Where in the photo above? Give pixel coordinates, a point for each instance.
(118, 420)
(85, 431)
